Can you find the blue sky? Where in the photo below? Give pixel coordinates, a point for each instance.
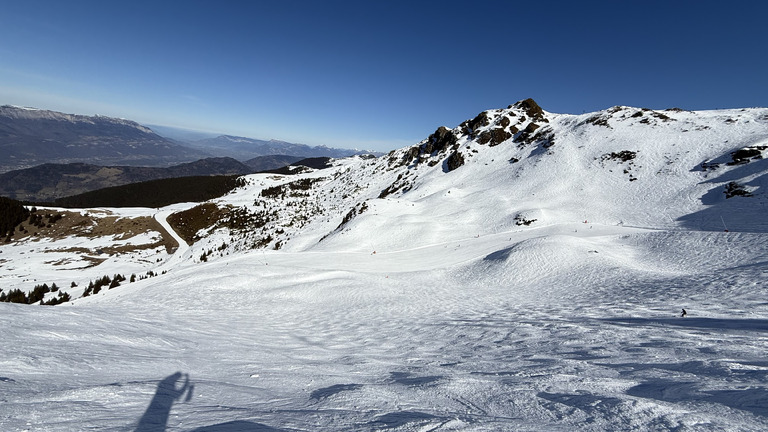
(375, 74)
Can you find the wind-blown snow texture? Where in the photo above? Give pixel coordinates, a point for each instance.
(496, 276)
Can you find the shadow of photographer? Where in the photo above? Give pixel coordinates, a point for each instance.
(175, 387)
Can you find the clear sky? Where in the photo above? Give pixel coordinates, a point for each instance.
(375, 74)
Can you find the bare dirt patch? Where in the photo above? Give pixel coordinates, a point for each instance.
(92, 261)
(56, 225)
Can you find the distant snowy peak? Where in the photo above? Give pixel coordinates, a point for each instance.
(26, 113)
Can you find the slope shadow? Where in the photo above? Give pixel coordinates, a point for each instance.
(402, 418)
(754, 400)
(695, 367)
(173, 388)
(406, 378)
(327, 392)
(743, 214)
(237, 426)
(500, 255)
(747, 324)
(592, 404)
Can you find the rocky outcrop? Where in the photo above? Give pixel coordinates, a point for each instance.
(429, 150)
(454, 161)
(743, 156)
(531, 109)
(442, 139)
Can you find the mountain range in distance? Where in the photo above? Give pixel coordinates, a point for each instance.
(31, 137)
(243, 149)
(49, 182)
(46, 155)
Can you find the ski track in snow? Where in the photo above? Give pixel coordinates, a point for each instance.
(460, 321)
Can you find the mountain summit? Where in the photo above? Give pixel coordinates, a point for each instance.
(667, 169)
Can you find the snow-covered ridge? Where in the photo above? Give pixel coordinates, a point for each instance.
(622, 166)
(26, 113)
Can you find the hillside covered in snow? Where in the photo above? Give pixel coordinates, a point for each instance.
(524, 270)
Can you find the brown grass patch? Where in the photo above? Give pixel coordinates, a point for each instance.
(187, 223)
(90, 225)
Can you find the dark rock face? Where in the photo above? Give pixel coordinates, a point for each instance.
(599, 120)
(494, 136)
(489, 128)
(531, 108)
(442, 139)
(529, 135)
(622, 156)
(531, 127)
(401, 184)
(454, 161)
(469, 127)
(743, 156)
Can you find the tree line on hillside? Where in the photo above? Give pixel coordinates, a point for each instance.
(37, 295)
(12, 213)
(155, 193)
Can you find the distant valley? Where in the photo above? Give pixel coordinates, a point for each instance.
(31, 137)
(46, 155)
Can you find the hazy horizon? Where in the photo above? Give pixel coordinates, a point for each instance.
(370, 75)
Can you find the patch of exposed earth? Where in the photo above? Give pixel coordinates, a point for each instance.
(94, 224)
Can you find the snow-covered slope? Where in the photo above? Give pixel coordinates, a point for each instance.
(624, 166)
(496, 276)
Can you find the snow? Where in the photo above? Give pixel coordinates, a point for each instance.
(433, 309)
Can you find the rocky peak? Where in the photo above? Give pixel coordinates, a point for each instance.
(522, 123)
(531, 108)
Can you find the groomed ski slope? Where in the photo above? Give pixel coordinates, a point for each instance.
(559, 332)
(460, 321)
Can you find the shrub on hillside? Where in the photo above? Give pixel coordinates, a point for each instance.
(38, 293)
(14, 296)
(105, 281)
(273, 192)
(733, 189)
(61, 298)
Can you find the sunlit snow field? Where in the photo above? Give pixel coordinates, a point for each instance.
(547, 333)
